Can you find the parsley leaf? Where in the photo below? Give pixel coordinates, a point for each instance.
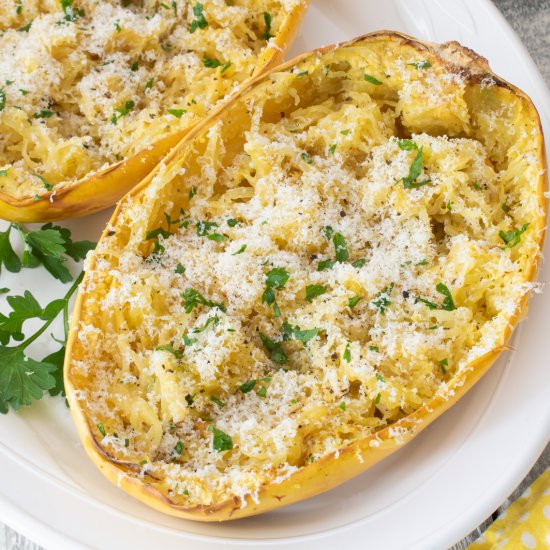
(372, 80)
(347, 353)
(178, 113)
(120, 112)
(359, 263)
(340, 247)
(267, 20)
(420, 64)
(71, 13)
(200, 21)
(324, 265)
(277, 353)
(22, 378)
(448, 303)
(382, 301)
(512, 237)
(247, 386)
(352, 302)
(297, 333)
(415, 170)
(193, 298)
(407, 145)
(312, 291)
(220, 440)
(177, 353)
(276, 279)
(211, 63)
(8, 257)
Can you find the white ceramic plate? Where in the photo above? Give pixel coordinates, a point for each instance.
(428, 495)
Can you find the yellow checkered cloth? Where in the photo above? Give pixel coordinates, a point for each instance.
(525, 524)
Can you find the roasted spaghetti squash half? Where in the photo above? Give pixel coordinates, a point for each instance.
(93, 93)
(309, 279)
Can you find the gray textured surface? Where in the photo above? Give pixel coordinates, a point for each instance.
(531, 20)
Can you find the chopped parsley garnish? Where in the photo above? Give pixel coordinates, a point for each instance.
(47, 185)
(407, 145)
(372, 80)
(306, 158)
(199, 22)
(415, 170)
(342, 405)
(211, 63)
(220, 440)
(177, 353)
(247, 386)
(189, 341)
(374, 348)
(448, 303)
(476, 186)
(296, 333)
(325, 264)
(345, 132)
(359, 263)
(178, 113)
(443, 364)
(328, 232)
(276, 279)
(194, 298)
(352, 302)
(149, 84)
(380, 378)
(347, 354)
(101, 429)
(217, 401)
(159, 231)
(267, 20)
(2, 99)
(232, 222)
(505, 208)
(44, 113)
(430, 305)
(226, 67)
(302, 73)
(204, 227)
(382, 301)
(118, 28)
(217, 237)
(180, 269)
(25, 28)
(332, 148)
(192, 192)
(120, 112)
(276, 350)
(178, 449)
(340, 247)
(214, 321)
(377, 398)
(71, 13)
(240, 251)
(312, 291)
(189, 399)
(262, 391)
(421, 64)
(134, 66)
(512, 237)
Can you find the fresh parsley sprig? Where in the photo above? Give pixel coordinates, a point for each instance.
(49, 246)
(22, 378)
